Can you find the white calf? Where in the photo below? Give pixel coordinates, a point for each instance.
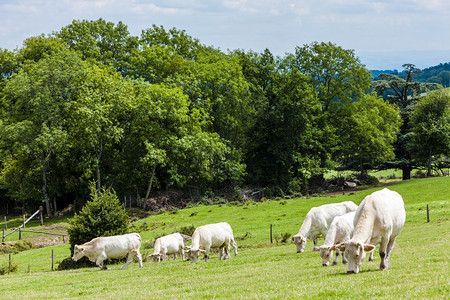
(168, 245)
(317, 222)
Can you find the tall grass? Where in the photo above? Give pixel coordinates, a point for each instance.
(419, 263)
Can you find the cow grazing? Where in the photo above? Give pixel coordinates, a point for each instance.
(317, 222)
(219, 235)
(168, 245)
(118, 246)
(379, 219)
(340, 231)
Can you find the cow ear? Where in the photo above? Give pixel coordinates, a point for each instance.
(202, 251)
(340, 246)
(332, 248)
(368, 247)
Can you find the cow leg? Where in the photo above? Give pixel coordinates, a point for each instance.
(221, 250)
(130, 258)
(336, 259)
(182, 253)
(233, 244)
(139, 257)
(344, 258)
(100, 260)
(206, 257)
(315, 248)
(383, 265)
(225, 251)
(371, 256)
(389, 248)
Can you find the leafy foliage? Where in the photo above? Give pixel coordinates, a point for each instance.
(431, 127)
(159, 111)
(103, 215)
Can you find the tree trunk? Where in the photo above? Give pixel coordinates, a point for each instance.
(99, 156)
(151, 182)
(44, 188)
(430, 158)
(406, 173)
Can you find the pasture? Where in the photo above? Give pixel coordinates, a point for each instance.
(419, 263)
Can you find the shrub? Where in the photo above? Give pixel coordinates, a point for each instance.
(9, 268)
(102, 216)
(187, 230)
(15, 247)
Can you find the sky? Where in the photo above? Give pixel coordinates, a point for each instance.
(385, 34)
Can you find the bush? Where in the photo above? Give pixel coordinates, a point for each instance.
(15, 247)
(102, 216)
(9, 268)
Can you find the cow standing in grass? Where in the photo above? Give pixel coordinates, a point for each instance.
(219, 235)
(317, 222)
(168, 245)
(379, 219)
(118, 246)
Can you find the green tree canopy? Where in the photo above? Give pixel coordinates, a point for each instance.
(430, 121)
(106, 42)
(368, 132)
(402, 92)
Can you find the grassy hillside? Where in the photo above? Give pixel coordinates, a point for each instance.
(419, 263)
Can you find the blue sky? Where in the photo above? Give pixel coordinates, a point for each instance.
(384, 33)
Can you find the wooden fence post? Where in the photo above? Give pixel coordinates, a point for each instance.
(271, 234)
(10, 262)
(52, 259)
(41, 212)
(20, 233)
(428, 214)
(6, 224)
(23, 220)
(3, 236)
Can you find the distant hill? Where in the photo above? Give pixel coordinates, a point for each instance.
(437, 74)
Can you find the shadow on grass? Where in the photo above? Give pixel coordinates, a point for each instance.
(360, 272)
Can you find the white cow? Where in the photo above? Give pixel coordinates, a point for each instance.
(317, 222)
(341, 229)
(168, 245)
(379, 219)
(118, 246)
(219, 235)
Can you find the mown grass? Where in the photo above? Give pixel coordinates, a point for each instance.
(419, 263)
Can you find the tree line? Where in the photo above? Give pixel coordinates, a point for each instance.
(91, 103)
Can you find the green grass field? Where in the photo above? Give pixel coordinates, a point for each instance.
(419, 263)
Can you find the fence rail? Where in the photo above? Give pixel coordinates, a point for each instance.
(40, 210)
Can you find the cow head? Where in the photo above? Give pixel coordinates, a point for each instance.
(326, 252)
(300, 242)
(78, 252)
(157, 257)
(194, 254)
(355, 253)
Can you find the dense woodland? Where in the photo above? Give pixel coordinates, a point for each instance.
(92, 104)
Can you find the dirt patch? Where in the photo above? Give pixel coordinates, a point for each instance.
(40, 241)
(56, 227)
(167, 200)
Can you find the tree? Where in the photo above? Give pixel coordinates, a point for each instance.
(430, 121)
(103, 215)
(367, 132)
(34, 114)
(402, 92)
(106, 42)
(280, 147)
(337, 74)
